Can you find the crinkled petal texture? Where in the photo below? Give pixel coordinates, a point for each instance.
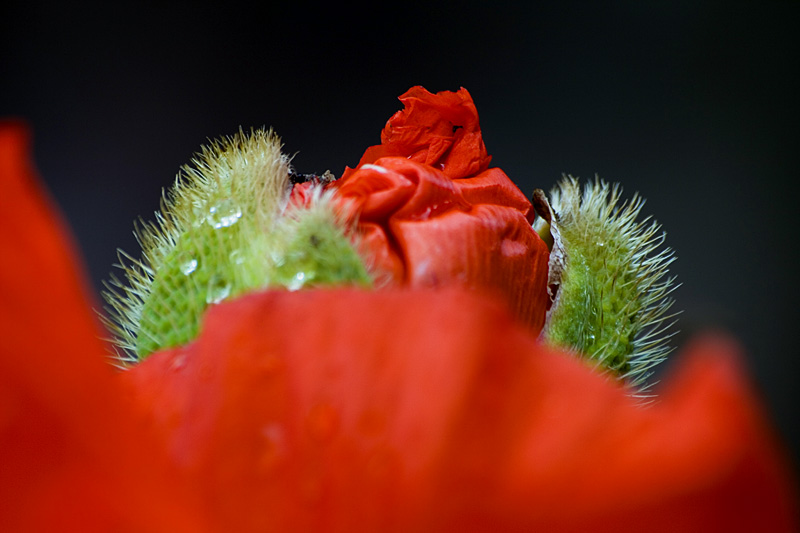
(72, 458)
(422, 410)
(439, 130)
(432, 213)
(420, 228)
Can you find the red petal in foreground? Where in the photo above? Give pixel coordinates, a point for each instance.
(71, 457)
(419, 410)
(422, 229)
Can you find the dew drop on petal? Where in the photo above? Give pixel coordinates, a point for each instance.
(554, 407)
(178, 362)
(513, 248)
(371, 423)
(323, 422)
(270, 364)
(312, 490)
(205, 372)
(384, 464)
(273, 445)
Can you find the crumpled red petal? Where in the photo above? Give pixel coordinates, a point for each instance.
(418, 410)
(421, 229)
(431, 213)
(439, 130)
(72, 459)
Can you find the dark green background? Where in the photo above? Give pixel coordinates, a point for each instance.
(692, 104)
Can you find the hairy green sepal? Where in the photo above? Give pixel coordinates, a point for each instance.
(226, 228)
(315, 250)
(608, 279)
(598, 306)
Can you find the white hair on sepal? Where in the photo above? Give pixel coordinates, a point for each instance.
(227, 226)
(221, 202)
(613, 289)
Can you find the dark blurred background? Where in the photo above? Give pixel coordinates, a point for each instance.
(692, 104)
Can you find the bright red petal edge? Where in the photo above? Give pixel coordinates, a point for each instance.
(73, 458)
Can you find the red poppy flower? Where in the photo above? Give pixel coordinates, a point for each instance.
(431, 212)
(344, 409)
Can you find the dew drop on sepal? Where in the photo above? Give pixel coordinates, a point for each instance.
(218, 289)
(236, 256)
(188, 266)
(297, 281)
(224, 214)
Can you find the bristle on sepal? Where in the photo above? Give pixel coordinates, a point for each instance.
(609, 281)
(226, 227)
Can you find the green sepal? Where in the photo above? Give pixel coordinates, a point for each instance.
(225, 228)
(609, 279)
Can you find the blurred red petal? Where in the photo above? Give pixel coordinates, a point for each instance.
(71, 455)
(702, 458)
(342, 410)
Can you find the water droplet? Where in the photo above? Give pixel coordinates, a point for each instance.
(384, 463)
(278, 258)
(297, 281)
(554, 408)
(274, 444)
(312, 490)
(205, 372)
(271, 364)
(218, 289)
(178, 362)
(224, 214)
(323, 422)
(371, 422)
(513, 248)
(236, 256)
(200, 215)
(189, 266)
